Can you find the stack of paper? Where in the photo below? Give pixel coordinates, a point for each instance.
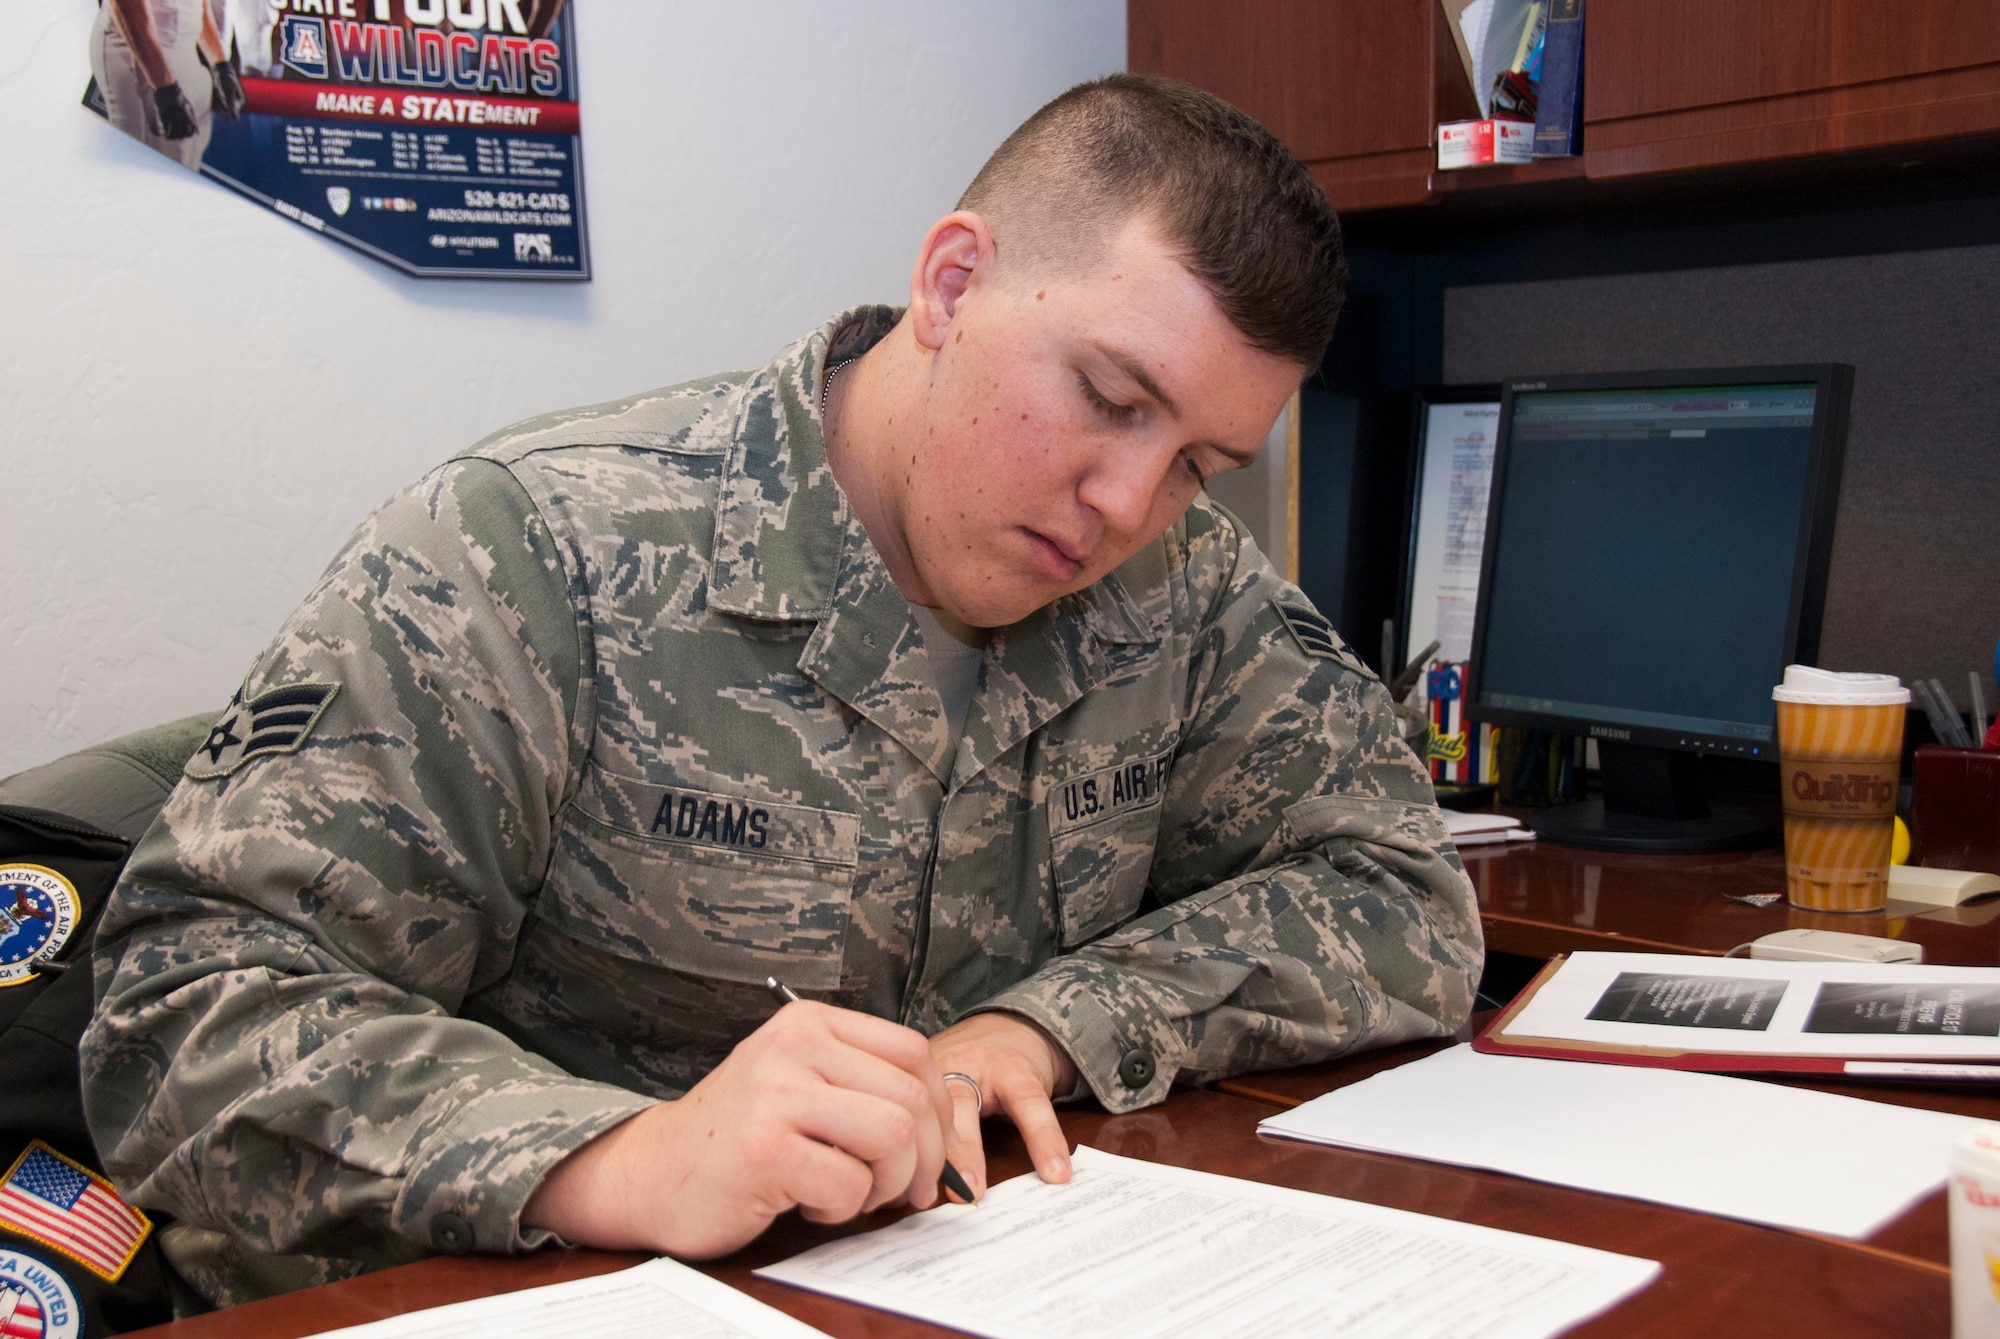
(1483, 829)
(1135, 1249)
(656, 1298)
(1740, 1148)
(1125, 1249)
(1470, 38)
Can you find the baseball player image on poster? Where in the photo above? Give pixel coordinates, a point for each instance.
(440, 137)
(153, 62)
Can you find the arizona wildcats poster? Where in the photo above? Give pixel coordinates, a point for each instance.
(438, 136)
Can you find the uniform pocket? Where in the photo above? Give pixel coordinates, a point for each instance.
(726, 886)
(1103, 828)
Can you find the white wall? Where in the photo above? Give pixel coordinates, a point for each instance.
(1260, 495)
(198, 399)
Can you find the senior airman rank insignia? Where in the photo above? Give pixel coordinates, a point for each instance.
(277, 721)
(38, 910)
(1313, 633)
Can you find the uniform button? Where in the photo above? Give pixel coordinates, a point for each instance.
(1136, 1069)
(451, 1234)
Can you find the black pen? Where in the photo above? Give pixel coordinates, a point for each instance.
(953, 1180)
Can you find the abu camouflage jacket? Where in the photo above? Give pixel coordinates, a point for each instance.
(613, 716)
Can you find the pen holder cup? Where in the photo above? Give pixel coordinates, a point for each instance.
(1956, 821)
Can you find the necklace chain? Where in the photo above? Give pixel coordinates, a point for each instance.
(826, 387)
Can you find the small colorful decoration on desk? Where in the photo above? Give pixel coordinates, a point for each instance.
(1456, 751)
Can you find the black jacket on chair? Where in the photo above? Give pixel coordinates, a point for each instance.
(66, 829)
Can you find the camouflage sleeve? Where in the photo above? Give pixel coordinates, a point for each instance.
(1310, 900)
(350, 856)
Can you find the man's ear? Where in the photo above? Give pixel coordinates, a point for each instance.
(957, 256)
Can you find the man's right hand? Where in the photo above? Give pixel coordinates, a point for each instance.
(176, 113)
(823, 1109)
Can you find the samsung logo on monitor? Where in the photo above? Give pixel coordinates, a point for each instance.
(1531, 385)
(1609, 732)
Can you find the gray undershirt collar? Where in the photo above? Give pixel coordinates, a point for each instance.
(954, 669)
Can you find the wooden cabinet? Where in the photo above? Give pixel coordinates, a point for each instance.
(1355, 88)
(1346, 84)
(1678, 85)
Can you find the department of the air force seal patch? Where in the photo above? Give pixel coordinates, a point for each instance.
(274, 722)
(38, 909)
(35, 1301)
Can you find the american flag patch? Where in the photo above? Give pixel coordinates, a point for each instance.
(49, 1199)
(1313, 633)
(277, 721)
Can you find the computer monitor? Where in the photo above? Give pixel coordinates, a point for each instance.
(1656, 554)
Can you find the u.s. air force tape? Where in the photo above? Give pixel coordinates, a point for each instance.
(276, 721)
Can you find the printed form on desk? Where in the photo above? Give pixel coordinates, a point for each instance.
(1130, 1248)
(657, 1298)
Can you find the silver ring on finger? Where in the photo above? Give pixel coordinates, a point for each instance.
(978, 1098)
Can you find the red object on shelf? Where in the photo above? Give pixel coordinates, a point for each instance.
(1477, 143)
(1956, 821)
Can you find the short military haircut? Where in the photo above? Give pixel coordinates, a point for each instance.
(1245, 216)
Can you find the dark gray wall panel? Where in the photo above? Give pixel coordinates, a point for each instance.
(1915, 582)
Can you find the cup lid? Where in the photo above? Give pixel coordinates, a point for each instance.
(1840, 688)
(1978, 1151)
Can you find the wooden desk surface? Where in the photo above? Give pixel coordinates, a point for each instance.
(1721, 1277)
(1538, 899)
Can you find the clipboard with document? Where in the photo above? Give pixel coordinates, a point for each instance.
(1739, 1015)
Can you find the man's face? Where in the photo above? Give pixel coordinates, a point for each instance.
(1068, 423)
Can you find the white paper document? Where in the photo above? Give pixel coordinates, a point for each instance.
(1740, 1148)
(1470, 829)
(1750, 1006)
(1451, 511)
(660, 1297)
(1136, 1249)
(1473, 23)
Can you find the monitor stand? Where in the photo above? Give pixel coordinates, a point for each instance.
(1654, 804)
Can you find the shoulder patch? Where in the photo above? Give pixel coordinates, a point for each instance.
(71, 1209)
(1310, 630)
(38, 911)
(37, 1300)
(277, 721)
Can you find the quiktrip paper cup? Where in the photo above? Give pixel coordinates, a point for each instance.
(1840, 745)
(1975, 1234)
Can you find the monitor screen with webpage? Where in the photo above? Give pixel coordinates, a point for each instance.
(1655, 555)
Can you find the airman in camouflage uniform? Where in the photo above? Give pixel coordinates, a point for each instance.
(620, 712)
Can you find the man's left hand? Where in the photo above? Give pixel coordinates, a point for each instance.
(1017, 1067)
(227, 95)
